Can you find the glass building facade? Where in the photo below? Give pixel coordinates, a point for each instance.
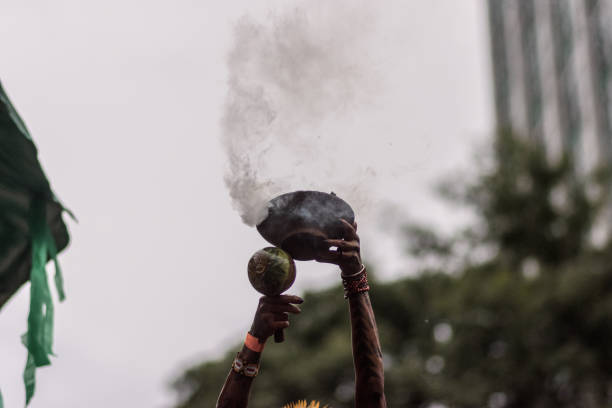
(552, 68)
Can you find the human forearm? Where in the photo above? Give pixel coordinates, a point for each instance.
(367, 355)
(272, 314)
(237, 387)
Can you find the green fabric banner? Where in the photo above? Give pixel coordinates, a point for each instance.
(32, 233)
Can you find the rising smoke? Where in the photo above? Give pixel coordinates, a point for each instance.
(294, 79)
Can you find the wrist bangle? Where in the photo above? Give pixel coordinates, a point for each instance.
(252, 343)
(247, 369)
(355, 283)
(354, 274)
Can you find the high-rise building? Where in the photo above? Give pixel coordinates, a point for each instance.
(552, 68)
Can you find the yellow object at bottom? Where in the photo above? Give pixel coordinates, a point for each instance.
(304, 404)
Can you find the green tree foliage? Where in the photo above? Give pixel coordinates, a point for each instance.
(525, 326)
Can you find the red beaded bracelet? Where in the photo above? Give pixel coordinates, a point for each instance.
(356, 283)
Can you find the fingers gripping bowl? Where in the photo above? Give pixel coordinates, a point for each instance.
(301, 221)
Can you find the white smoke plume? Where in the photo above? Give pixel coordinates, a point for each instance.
(294, 79)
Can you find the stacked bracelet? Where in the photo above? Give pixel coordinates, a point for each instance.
(355, 283)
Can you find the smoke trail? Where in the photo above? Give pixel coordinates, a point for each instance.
(293, 80)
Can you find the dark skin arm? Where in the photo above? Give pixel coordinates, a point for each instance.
(272, 313)
(367, 354)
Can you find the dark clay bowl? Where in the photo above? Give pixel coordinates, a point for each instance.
(299, 222)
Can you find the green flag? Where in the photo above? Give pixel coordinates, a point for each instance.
(32, 232)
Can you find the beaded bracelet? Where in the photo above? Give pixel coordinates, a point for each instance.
(355, 283)
(246, 369)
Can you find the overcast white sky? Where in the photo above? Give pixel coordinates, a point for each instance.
(124, 100)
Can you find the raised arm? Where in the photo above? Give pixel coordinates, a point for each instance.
(367, 355)
(272, 313)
